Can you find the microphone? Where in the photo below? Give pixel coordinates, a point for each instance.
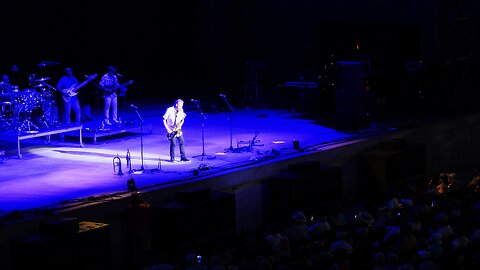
(194, 100)
(119, 75)
(223, 96)
(133, 106)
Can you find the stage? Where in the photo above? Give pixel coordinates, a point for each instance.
(56, 171)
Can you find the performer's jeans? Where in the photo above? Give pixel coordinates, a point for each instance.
(181, 146)
(110, 100)
(75, 105)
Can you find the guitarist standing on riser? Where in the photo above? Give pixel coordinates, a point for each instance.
(109, 84)
(67, 81)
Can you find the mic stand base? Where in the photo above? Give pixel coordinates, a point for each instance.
(231, 149)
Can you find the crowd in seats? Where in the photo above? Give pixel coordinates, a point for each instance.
(430, 225)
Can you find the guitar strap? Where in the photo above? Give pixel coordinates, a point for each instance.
(110, 85)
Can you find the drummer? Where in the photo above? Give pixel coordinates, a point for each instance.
(5, 86)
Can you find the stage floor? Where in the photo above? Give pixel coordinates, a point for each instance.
(61, 172)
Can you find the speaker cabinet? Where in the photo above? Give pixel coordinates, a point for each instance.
(350, 97)
(86, 112)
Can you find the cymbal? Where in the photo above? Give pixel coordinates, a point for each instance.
(40, 85)
(42, 79)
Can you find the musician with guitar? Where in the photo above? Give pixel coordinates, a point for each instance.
(68, 86)
(173, 120)
(109, 85)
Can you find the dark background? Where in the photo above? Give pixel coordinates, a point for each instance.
(420, 52)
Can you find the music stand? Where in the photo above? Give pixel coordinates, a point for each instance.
(230, 149)
(203, 132)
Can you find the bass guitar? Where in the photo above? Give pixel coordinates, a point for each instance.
(68, 93)
(122, 87)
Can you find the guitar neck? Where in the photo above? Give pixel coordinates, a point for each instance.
(85, 82)
(81, 85)
(125, 84)
(111, 90)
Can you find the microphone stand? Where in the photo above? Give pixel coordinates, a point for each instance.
(142, 168)
(231, 149)
(203, 133)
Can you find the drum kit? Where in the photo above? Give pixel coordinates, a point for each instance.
(30, 109)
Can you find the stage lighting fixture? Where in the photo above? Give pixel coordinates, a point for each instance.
(131, 185)
(296, 144)
(203, 167)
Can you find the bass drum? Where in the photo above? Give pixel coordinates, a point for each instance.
(29, 98)
(37, 115)
(33, 99)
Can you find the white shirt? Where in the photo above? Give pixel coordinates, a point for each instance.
(173, 117)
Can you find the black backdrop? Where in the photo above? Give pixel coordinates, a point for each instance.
(198, 49)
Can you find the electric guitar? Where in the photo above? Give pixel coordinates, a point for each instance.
(122, 88)
(176, 131)
(68, 93)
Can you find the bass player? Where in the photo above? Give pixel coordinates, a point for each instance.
(173, 120)
(68, 86)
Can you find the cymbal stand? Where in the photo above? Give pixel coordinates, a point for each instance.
(47, 107)
(203, 132)
(26, 125)
(230, 149)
